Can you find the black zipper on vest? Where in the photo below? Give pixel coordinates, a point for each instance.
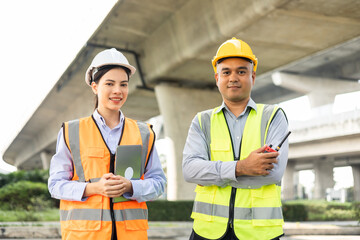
(233, 190)
(113, 232)
(231, 208)
(112, 170)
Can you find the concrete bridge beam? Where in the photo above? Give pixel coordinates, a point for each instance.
(166, 57)
(178, 106)
(321, 91)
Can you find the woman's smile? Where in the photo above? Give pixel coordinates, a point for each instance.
(116, 99)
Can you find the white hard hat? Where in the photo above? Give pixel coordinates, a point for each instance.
(107, 57)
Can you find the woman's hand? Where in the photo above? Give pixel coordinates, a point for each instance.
(125, 185)
(109, 185)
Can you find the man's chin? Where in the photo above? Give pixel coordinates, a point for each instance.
(238, 99)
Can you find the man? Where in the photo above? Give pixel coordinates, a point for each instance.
(238, 191)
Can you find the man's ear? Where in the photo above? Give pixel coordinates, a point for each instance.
(253, 77)
(94, 87)
(216, 78)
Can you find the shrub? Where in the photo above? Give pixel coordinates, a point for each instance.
(25, 195)
(356, 209)
(170, 210)
(339, 205)
(338, 215)
(295, 212)
(22, 175)
(317, 210)
(316, 207)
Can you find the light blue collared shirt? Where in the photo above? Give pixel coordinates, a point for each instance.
(197, 167)
(62, 170)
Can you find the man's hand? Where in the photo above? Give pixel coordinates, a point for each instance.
(257, 163)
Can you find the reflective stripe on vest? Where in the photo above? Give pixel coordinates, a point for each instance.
(239, 213)
(104, 215)
(144, 132)
(75, 148)
(254, 206)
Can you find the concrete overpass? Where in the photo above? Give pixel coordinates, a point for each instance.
(312, 46)
(322, 143)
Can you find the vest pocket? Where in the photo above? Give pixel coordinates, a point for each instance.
(82, 216)
(221, 150)
(135, 215)
(266, 206)
(203, 208)
(95, 152)
(267, 191)
(220, 145)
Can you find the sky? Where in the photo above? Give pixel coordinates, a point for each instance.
(39, 39)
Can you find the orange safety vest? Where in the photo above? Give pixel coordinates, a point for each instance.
(98, 217)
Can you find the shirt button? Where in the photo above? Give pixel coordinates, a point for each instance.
(237, 137)
(249, 186)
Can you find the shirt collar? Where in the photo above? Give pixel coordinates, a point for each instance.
(250, 104)
(101, 121)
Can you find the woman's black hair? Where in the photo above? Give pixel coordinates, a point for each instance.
(101, 72)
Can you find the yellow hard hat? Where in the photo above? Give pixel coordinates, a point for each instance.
(234, 48)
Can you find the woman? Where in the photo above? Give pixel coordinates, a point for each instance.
(82, 170)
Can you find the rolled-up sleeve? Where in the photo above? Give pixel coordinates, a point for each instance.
(197, 167)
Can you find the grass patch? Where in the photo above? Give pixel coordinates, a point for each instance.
(26, 216)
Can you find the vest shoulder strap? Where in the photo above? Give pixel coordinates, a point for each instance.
(74, 146)
(148, 140)
(204, 118)
(269, 113)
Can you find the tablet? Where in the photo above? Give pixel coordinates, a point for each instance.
(128, 164)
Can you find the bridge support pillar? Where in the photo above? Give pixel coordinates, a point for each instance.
(356, 175)
(178, 106)
(288, 182)
(324, 177)
(45, 159)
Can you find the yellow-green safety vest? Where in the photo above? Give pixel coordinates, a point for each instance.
(257, 212)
